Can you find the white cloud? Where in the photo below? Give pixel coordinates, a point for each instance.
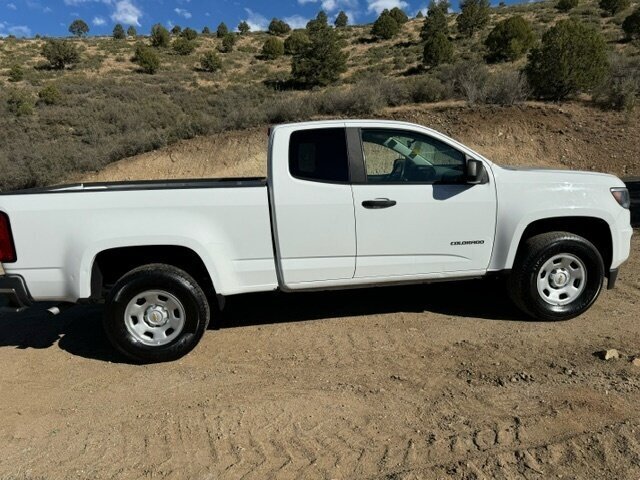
(256, 21)
(182, 12)
(98, 21)
(37, 5)
(17, 30)
(20, 31)
(126, 12)
(296, 21)
(331, 5)
(422, 9)
(12, 6)
(122, 11)
(379, 5)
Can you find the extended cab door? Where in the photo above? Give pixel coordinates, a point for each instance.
(312, 205)
(415, 213)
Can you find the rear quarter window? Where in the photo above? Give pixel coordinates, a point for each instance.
(319, 155)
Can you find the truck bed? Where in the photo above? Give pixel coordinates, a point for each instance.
(225, 222)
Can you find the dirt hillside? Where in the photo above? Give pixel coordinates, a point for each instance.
(568, 136)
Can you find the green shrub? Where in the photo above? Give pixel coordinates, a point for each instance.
(244, 28)
(614, 6)
(228, 42)
(621, 88)
(146, 59)
(189, 34)
(20, 103)
(210, 62)
(322, 61)
(566, 5)
(206, 31)
(79, 28)
(342, 20)
(296, 42)
(16, 73)
(222, 30)
(183, 46)
(436, 20)
(437, 50)
(272, 48)
(571, 58)
(385, 27)
(474, 16)
(399, 15)
(176, 30)
(60, 53)
(278, 27)
(118, 32)
(320, 22)
(49, 95)
(510, 39)
(631, 25)
(132, 32)
(160, 37)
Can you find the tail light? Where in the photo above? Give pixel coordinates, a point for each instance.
(7, 248)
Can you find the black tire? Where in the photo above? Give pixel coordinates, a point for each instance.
(156, 277)
(535, 253)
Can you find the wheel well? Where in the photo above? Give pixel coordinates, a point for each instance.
(110, 265)
(593, 229)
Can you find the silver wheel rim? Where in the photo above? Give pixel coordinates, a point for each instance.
(154, 318)
(562, 279)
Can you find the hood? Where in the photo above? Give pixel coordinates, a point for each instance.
(554, 175)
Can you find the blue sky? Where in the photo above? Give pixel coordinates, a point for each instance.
(52, 17)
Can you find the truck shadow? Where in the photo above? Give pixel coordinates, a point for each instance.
(78, 330)
(481, 299)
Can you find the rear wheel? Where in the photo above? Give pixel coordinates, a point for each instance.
(557, 276)
(156, 313)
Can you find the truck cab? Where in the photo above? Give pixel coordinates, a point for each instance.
(340, 220)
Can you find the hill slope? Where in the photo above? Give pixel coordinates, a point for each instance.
(569, 136)
(106, 110)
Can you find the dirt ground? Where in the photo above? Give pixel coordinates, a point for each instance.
(435, 381)
(439, 381)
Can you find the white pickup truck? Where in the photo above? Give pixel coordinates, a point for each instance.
(346, 204)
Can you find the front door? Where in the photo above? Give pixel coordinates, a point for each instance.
(415, 215)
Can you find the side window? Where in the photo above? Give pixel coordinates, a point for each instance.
(396, 156)
(319, 155)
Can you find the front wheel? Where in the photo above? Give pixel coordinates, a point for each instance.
(557, 276)
(156, 313)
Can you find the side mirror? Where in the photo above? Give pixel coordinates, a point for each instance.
(476, 173)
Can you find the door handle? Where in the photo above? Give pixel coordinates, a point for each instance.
(378, 203)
